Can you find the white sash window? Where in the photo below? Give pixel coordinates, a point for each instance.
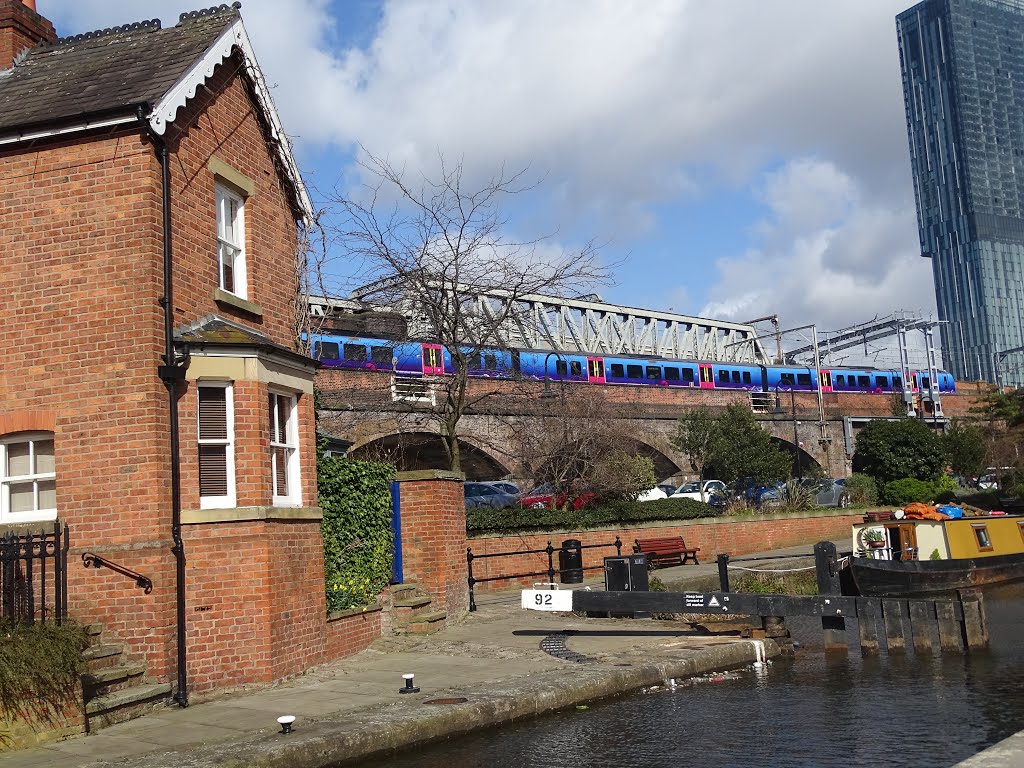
(28, 478)
(284, 453)
(231, 241)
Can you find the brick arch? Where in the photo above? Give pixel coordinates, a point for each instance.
(806, 459)
(28, 421)
(478, 460)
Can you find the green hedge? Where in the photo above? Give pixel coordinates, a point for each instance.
(901, 492)
(485, 520)
(355, 497)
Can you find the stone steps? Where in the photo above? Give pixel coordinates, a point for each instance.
(411, 613)
(426, 623)
(115, 689)
(125, 704)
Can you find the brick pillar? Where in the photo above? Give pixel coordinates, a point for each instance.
(433, 514)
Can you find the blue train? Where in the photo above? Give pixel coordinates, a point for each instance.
(410, 358)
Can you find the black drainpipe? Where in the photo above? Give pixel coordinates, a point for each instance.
(171, 372)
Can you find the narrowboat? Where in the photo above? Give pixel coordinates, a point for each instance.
(906, 557)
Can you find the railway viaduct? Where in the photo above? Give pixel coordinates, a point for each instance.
(366, 412)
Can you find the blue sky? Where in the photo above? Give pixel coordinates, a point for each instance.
(740, 159)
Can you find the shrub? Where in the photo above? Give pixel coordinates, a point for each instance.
(355, 497)
(944, 484)
(795, 497)
(40, 666)
(902, 492)
(486, 520)
(862, 489)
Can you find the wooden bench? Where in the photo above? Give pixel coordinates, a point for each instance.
(671, 548)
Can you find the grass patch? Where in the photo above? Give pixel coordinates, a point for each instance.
(799, 583)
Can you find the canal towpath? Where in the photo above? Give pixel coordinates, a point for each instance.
(505, 662)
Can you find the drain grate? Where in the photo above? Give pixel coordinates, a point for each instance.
(554, 645)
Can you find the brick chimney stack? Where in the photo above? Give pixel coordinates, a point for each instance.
(20, 28)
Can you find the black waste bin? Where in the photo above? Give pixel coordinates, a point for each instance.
(570, 561)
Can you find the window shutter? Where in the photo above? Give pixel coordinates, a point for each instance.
(213, 425)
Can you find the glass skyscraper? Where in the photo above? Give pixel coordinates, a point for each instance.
(963, 86)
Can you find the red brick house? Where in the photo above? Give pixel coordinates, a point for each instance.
(151, 393)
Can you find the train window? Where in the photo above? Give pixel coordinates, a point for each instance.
(864, 381)
(897, 382)
(654, 372)
(491, 362)
(380, 356)
(926, 382)
(735, 377)
(787, 379)
(576, 368)
(516, 360)
(746, 377)
(355, 352)
(803, 379)
(326, 350)
(688, 375)
(881, 382)
(672, 374)
(618, 371)
(561, 368)
(634, 371)
(840, 381)
(723, 377)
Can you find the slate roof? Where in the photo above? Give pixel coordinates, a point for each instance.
(106, 72)
(216, 332)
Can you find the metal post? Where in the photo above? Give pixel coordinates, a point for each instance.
(551, 564)
(472, 581)
(618, 546)
(723, 572)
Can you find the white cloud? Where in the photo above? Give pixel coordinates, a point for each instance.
(825, 255)
(627, 109)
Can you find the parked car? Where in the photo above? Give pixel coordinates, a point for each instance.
(484, 495)
(652, 494)
(544, 496)
(700, 492)
(668, 488)
(827, 492)
(505, 486)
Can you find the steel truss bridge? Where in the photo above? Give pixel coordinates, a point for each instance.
(584, 325)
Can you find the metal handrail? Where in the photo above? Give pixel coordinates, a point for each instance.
(549, 550)
(97, 561)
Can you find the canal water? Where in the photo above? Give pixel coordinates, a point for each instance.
(907, 711)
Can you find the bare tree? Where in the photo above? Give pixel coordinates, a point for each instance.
(579, 446)
(434, 247)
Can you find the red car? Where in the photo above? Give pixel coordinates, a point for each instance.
(544, 496)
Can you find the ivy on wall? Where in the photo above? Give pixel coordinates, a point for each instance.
(355, 497)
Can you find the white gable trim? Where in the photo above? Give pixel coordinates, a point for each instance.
(179, 94)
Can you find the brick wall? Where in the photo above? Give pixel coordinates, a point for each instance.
(81, 335)
(351, 631)
(433, 517)
(256, 604)
(714, 537)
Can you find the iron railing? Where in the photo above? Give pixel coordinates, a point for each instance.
(551, 571)
(33, 576)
